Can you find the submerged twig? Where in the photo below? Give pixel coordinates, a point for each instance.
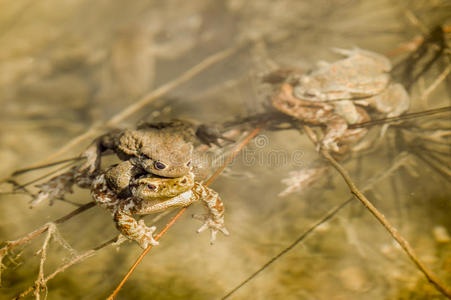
(312, 228)
(402, 117)
(439, 167)
(432, 278)
(25, 239)
(399, 161)
(43, 166)
(62, 268)
(182, 211)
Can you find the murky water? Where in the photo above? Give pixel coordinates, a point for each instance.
(66, 66)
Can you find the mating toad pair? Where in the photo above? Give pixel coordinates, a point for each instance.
(156, 174)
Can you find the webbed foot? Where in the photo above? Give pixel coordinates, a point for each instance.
(146, 239)
(92, 156)
(213, 225)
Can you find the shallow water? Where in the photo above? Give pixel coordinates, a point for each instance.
(66, 66)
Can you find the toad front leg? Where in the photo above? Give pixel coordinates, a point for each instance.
(214, 219)
(135, 230)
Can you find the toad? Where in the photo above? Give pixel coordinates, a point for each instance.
(151, 194)
(334, 94)
(164, 149)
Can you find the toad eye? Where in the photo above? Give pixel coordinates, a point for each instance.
(289, 104)
(159, 165)
(151, 187)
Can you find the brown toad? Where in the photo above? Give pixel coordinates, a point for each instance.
(328, 95)
(360, 74)
(165, 149)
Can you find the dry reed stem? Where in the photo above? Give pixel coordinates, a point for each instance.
(432, 278)
(413, 44)
(182, 211)
(147, 99)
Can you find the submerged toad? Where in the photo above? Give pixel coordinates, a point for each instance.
(335, 94)
(150, 194)
(360, 74)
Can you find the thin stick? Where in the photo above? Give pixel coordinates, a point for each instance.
(181, 211)
(400, 160)
(24, 185)
(38, 167)
(75, 212)
(432, 278)
(312, 228)
(403, 117)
